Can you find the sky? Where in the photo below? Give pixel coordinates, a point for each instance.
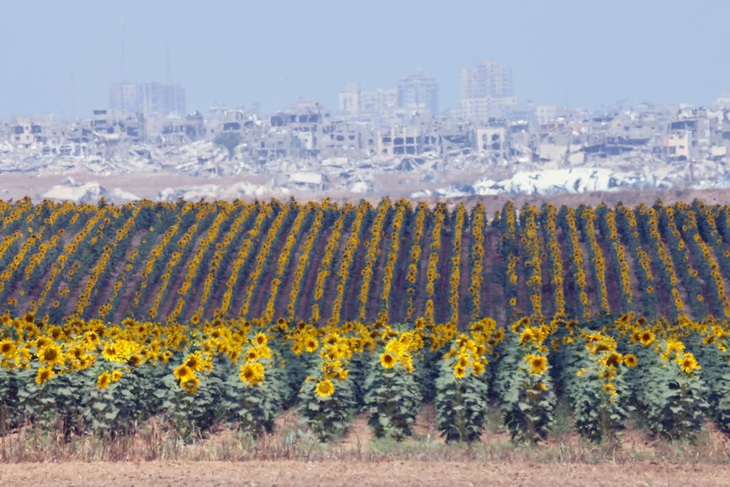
(61, 57)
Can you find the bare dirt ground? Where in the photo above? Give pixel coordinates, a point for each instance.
(401, 474)
(148, 185)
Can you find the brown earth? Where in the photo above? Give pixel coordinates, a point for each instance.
(335, 473)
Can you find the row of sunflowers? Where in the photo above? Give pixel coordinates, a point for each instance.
(326, 263)
(90, 377)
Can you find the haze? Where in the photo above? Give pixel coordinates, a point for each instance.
(62, 59)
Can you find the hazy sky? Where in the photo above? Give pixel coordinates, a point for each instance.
(61, 57)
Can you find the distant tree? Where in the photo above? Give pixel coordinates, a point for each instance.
(229, 140)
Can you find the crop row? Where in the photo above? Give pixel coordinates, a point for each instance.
(327, 263)
(87, 377)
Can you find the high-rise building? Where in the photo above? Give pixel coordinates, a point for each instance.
(148, 98)
(419, 92)
(486, 91)
(354, 102)
(350, 100)
(378, 102)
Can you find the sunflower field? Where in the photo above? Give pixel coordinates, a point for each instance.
(213, 313)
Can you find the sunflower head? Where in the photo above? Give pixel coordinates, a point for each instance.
(630, 360)
(7, 347)
(191, 384)
(387, 360)
(325, 388)
(613, 359)
(252, 373)
(50, 355)
(261, 339)
(310, 346)
(183, 372)
(646, 338)
(459, 371)
(135, 360)
(103, 381)
(538, 363)
(689, 364)
(44, 375)
(193, 362)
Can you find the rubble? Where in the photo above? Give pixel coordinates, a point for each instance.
(70, 190)
(310, 153)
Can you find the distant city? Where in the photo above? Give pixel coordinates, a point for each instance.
(146, 127)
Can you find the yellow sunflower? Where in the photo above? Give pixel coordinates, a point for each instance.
(325, 388)
(646, 338)
(7, 348)
(44, 375)
(103, 381)
(310, 346)
(538, 363)
(387, 360)
(51, 355)
(251, 373)
(688, 362)
(612, 359)
(630, 360)
(459, 371)
(191, 384)
(183, 372)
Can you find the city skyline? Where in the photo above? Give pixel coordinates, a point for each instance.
(63, 60)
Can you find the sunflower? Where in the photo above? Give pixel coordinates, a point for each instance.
(646, 338)
(612, 359)
(103, 381)
(538, 363)
(195, 362)
(325, 388)
(191, 384)
(310, 346)
(630, 360)
(51, 355)
(251, 374)
(263, 351)
(111, 352)
(183, 372)
(459, 371)
(116, 375)
(604, 346)
(135, 360)
(44, 374)
(479, 368)
(528, 334)
(688, 362)
(7, 348)
(387, 360)
(261, 339)
(57, 333)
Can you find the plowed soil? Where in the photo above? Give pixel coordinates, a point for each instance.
(353, 474)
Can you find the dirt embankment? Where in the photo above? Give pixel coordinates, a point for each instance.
(398, 473)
